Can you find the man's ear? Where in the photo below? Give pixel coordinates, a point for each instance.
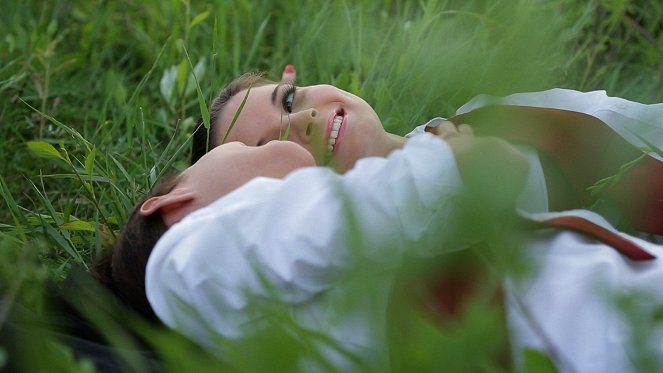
(173, 206)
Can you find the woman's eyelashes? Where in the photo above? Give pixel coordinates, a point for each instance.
(288, 98)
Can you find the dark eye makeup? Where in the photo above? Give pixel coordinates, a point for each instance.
(287, 102)
(288, 98)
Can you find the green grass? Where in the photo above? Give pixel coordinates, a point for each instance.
(98, 99)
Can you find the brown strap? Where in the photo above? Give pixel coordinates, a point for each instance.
(610, 238)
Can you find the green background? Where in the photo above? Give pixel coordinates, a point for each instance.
(97, 101)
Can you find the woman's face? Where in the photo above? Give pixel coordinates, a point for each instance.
(229, 166)
(336, 127)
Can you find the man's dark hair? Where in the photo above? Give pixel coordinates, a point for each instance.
(122, 270)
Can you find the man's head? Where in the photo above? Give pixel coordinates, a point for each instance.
(222, 170)
(217, 173)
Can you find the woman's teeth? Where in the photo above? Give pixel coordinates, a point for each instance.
(336, 125)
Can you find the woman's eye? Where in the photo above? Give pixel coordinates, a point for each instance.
(289, 98)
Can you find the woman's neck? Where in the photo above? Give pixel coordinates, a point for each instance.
(393, 142)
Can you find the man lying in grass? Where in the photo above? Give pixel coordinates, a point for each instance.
(223, 267)
(585, 150)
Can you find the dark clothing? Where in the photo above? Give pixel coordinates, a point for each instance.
(82, 315)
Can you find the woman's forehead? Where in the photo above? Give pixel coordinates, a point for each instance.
(254, 94)
(256, 102)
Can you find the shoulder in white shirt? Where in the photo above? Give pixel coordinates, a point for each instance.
(294, 241)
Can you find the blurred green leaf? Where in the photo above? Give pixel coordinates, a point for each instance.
(204, 112)
(535, 361)
(78, 225)
(89, 161)
(44, 150)
(198, 74)
(198, 19)
(182, 73)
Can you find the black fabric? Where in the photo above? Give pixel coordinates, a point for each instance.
(71, 316)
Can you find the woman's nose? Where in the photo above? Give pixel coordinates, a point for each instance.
(303, 125)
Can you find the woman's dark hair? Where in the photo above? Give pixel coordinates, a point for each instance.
(122, 269)
(199, 144)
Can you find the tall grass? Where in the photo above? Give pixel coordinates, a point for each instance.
(99, 99)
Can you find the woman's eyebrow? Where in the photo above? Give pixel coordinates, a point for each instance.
(275, 92)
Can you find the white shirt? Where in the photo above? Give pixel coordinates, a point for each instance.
(202, 277)
(294, 244)
(571, 306)
(639, 124)
(567, 308)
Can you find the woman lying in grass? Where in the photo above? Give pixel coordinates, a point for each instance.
(277, 242)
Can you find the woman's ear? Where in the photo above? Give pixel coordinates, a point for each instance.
(173, 206)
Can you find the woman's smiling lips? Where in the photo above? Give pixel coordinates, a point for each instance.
(335, 128)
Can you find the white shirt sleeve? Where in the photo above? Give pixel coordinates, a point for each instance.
(295, 238)
(639, 124)
(569, 306)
